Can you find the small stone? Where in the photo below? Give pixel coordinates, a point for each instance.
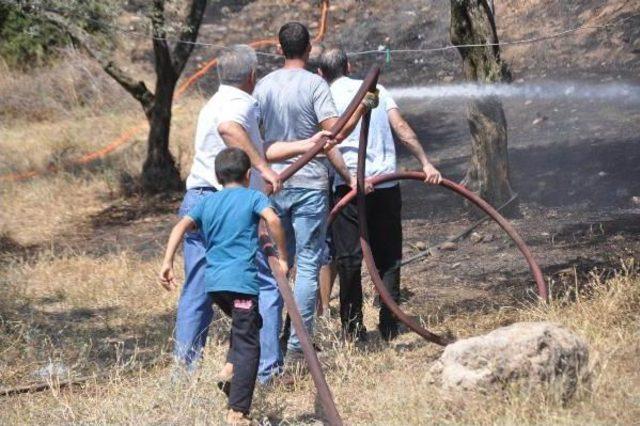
(528, 102)
(420, 246)
(456, 265)
(448, 246)
(51, 370)
(602, 174)
(539, 120)
(635, 200)
(476, 237)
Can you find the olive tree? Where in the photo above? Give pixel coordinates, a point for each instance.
(159, 172)
(472, 23)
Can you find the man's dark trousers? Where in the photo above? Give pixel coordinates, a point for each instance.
(385, 235)
(244, 345)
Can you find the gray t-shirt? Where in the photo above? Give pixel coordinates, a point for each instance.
(292, 104)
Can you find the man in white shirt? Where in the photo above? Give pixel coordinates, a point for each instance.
(383, 204)
(229, 119)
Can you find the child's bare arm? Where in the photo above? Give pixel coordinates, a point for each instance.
(277, 233)
(167, 278)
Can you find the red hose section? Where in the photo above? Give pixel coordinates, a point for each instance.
(366, 248)
(479, 202)
(315, 369)
(368, 82)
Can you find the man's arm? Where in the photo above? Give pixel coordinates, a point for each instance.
(335, 157)
(348, 128)
(409, 139)
(278, 151)
(234, 135)
(369, 102)
(167, 278)
(277, 233)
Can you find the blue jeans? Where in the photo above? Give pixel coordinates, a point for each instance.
(303, 213)
(195, 307)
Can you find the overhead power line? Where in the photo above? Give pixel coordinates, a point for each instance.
(381, 51)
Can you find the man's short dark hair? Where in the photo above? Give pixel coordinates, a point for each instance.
(334, 63)
(232, 165)
(294, 40)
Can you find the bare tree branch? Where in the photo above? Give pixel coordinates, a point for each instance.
(136, 88)
(182, 51)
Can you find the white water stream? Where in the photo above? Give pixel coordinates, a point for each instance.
(621, 92)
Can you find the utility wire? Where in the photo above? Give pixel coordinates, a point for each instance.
(383, 51)
(504, 43)
(128, 31)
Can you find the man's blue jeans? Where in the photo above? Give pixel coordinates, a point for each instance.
(195, 309)
(303, 213)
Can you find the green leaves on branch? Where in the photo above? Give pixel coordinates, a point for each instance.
(28, 40)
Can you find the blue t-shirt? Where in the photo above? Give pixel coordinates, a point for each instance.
(228, 220)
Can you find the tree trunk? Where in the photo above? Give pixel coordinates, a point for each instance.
(488, 174)
(159, 172)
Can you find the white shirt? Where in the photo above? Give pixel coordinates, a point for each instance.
(228, 104)
(381, 150)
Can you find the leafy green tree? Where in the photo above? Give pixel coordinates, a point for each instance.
(27, 40)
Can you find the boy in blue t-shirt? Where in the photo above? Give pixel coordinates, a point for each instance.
(228, 220)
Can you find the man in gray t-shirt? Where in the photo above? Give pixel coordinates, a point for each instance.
(293, 102)
(294, 105)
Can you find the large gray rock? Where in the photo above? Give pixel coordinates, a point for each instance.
(531, 353)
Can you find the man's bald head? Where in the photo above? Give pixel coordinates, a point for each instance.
(334, 63)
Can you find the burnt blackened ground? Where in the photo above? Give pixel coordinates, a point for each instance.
(576, 171)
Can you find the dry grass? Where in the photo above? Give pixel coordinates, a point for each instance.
(74, 85)
(69, 299)
(105, 314)
(59, 204)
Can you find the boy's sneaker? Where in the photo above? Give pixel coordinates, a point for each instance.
(236, 418)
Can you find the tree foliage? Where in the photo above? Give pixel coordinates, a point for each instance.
(28, 40)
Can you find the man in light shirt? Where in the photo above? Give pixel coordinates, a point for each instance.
(294, 104)
(383, 204)
(229, 119)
